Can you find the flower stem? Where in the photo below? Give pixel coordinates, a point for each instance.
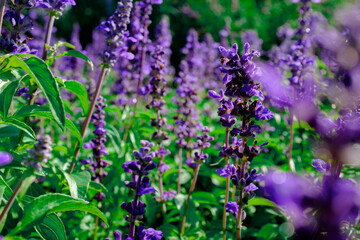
(290, 161)
(132, 218)
(241, 206)
(161, 188)
(2, 12)
(189, 194)
(85, 125)
(10, 202)
(96, 227)
(48, 34)
(227, 185)
(179, 170)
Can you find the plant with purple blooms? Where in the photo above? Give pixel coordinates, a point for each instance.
(140, 184)
(241, 99)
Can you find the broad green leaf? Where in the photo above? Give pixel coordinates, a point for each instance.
(204, 198)
(49, 203)
(20, 125)
(51, 228)
(14, 238)
(43, 111)
(259, 201)
(77, 54)
(268, 231)
(11, 75)
(47, 82)
(78, 183)
(79, 90)
(6, 97)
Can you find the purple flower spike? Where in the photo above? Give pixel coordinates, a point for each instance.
(321, 166)
(5, 158)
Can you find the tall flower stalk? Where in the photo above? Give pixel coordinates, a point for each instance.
(186, 124)
(299, 63)
(240, 100)
(140, 184)
(114, 29)
(157, 90)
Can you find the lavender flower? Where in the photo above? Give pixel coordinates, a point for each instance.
(114, 29)
(41, 153)
(97, 145)
(140, 184)
(241, 99)
(5, 158)
(163, 38)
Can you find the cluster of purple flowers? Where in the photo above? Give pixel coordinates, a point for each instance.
(241, 99)
(41, 153)
(115, 31)
(140, 184)
(97, 145)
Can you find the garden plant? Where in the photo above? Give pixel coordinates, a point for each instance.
(167, 119)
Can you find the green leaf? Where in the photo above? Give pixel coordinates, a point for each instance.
(49, 203)
(28, 179)
(48, 84)
(78, 183)
(79, 90)
(6, 97)
(268, 231)
(2, 191)
(20, 125)
(259, 201)
(43, 111)
(77, 54)
(62, 43)
(51, 228)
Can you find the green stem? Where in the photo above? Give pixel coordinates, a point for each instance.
(290, 161)
(241, 206)
(193, 184)
(85, 125)
(10, 202)
(48, 34)
(179, 170)
(227, 185)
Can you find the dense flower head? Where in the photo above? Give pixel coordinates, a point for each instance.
(115, 31)
(40, 154)
(5, 158)
(240, 74)
(315, 209)
(163, 38)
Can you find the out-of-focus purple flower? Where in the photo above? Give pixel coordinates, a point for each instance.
(321, 166)
(40, 154)
(55, 5)
(232, 207)
(251, 37)
(148, 234)
(5, 158)
(313, 208)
